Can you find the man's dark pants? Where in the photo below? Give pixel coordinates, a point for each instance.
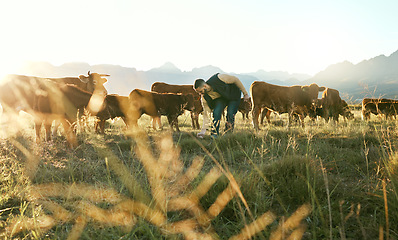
(218, 110)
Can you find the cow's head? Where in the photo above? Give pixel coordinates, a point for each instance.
(318, 102)
(95, 82)
(189, 103)
(316, 109)
(312, 90)
(245, 106)
(346, 110)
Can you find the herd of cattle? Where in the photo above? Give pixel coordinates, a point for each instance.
(66, 99)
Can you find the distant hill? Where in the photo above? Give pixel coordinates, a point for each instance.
(376, 77)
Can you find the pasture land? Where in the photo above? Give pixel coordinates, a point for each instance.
(324, 181)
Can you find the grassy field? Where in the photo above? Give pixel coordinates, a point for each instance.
(326, 181)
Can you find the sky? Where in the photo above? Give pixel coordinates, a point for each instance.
(238, 36)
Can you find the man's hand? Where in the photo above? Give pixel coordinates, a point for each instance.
(201, 134)
(246, 97)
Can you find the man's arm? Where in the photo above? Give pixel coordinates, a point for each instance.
(206, 118)
(229, 79)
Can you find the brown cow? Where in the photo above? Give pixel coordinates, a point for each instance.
(292, 100)
(114, 106)
(161, 87)
(93, 83)
(384, 106)
(46, 101)
(332, 105)
(158, 104)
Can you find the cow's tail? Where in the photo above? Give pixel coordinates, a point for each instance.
(251, 94)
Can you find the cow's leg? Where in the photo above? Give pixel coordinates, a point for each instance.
(55, 129)
(364, 115)
(156, 121)
(159, 121)
(70, 134)
(301, 116)
(336, 116)
(38, 124)
(193, 124)
(47, 127)
(82, 119)
(255, 114)
(289, 119)
(265, 113)
(99, 126)
(102, 126)
(195, 120)
(173, 121)
(125, 121)
(132, 117)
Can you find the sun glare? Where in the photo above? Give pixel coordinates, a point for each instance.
(315, 50)
(8, 67)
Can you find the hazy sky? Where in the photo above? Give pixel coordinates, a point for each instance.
(298, 36)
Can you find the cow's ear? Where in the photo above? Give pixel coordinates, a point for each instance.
(84, 78)
(304, 88)
(102, 80)
(321, 89)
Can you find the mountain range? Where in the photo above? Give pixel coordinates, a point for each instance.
(376, 77)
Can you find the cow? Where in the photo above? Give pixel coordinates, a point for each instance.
(384, 106)
(292, 100)
(245, 107)
(158, 104)
(114, 106)
(332, 106)
(161, 87)
(93, 83)
(46, 101)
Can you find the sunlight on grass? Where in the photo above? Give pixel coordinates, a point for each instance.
(170, 188)
(323, 181)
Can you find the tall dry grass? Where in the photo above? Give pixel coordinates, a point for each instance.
(321, 182)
